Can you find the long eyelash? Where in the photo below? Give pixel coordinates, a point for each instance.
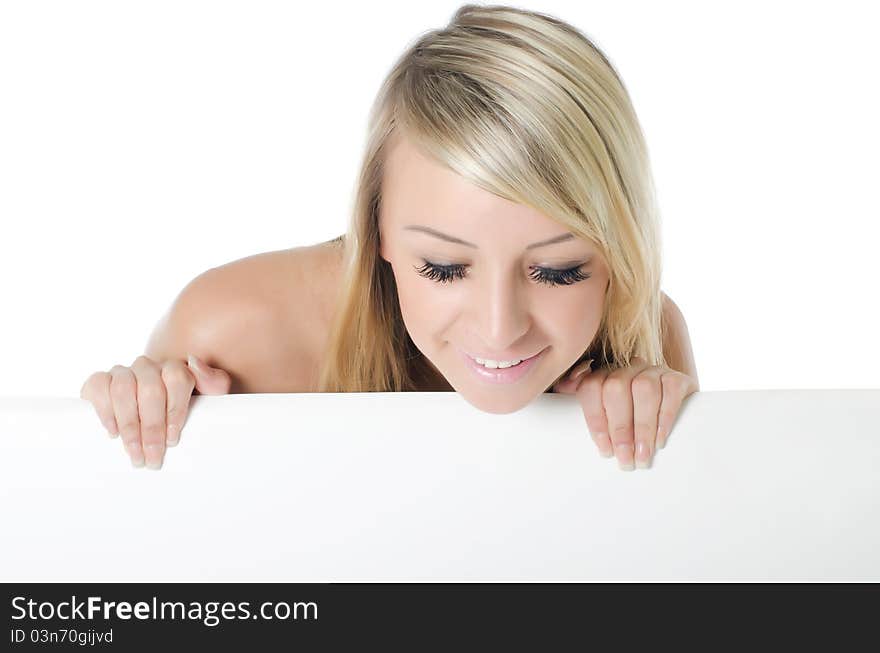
(558, 277)
(441, 273)
(549, 276)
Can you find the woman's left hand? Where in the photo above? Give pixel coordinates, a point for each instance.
(629, 409)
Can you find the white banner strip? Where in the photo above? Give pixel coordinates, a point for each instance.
(776, 485)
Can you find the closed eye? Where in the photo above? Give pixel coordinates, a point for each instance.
(549, 276)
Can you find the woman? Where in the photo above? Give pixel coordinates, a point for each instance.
(504, 237)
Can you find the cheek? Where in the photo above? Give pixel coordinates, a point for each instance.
(424, 308)
(573, 320)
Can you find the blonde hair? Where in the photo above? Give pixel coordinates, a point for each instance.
(525, 106)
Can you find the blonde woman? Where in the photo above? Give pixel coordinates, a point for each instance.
(504, 243)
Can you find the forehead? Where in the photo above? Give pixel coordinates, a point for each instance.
(408, 168)
(416, 188)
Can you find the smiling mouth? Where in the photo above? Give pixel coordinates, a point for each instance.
(504, 375)
(521, 360)
(499, 367)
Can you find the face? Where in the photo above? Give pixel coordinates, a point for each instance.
(479, 276)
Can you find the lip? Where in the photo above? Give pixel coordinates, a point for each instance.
(506, 375)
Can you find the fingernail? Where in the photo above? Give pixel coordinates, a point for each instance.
(661, 439)
(580, 370)
(643, 456)
(192, 362)
(135, 453)
(604, 445)
(153, 454)
(172, 434)
(624, 454)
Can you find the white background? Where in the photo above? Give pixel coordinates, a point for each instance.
(143, 143)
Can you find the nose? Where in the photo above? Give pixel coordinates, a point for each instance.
(502, 312)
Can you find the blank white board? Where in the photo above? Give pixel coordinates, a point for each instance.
(752, 486)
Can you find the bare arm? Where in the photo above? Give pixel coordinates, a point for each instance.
(233, 318)
(676, 341)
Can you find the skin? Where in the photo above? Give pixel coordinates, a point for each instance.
(496, 311)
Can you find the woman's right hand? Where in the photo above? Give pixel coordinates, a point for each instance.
(148, 402)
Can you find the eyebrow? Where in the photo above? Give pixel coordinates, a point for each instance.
(452, 239)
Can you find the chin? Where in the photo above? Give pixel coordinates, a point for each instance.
(499, 406)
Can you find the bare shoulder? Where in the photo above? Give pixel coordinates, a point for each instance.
(262, 318)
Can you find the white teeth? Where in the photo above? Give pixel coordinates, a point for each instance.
(497, 364)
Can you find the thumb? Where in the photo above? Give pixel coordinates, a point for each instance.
(209, 380)
(570, 383)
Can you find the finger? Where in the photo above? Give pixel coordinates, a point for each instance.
(179, 383)
(647, 393)
(618, 402)
(96, 389)
(589, 393)
(568, 383)
(123, 389)
(209, 380)
(151, 408)
(676, 387)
